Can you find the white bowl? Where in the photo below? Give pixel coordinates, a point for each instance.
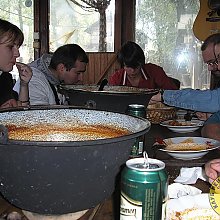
(190, 154)
(189, 126)
(198, 202)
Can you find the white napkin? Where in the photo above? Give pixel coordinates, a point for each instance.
(176, 190)
(190, 175)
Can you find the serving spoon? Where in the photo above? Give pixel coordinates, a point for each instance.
(103, 84)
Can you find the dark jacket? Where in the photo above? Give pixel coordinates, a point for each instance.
(6, 88)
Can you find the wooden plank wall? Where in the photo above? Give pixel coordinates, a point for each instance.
(101, 65)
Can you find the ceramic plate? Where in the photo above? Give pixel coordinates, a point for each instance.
(190, 142)
(182, 126)
(200, 203)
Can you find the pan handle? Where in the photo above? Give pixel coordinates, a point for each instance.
(3, 134)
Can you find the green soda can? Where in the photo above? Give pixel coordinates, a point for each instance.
(138, 147)
(143, 189)
(137, 110)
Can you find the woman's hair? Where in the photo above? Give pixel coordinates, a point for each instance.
(68, 54)
(11, 32)
(131, 55)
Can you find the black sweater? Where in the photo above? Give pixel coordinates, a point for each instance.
(6, 88)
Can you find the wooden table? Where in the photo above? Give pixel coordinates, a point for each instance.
(109, 210)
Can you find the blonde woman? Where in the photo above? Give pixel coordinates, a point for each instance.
(11, 38)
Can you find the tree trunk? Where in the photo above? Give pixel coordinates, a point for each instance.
(20, 15)
(102, 32)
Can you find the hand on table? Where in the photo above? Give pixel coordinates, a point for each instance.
(9, 104)
(212, 169)
(203, 116)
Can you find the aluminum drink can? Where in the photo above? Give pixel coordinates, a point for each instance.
(137, 110)
(138, 147)
(143, 189)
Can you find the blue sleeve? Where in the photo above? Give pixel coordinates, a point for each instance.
(198, 100)
(215, 118)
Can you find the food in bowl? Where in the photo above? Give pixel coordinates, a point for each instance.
(191, 207)
(195, 214)
(187, 145)
(180, 123)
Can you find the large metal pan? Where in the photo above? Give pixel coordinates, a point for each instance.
(112, 98)
(57, 177)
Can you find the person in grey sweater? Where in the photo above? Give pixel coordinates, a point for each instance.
(66, 65)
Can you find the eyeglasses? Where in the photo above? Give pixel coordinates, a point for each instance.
(213, 63)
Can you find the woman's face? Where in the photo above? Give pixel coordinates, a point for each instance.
(9, 53)
(132, 72)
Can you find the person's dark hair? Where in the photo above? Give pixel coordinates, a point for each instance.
(212, 39)
(67, 55)
(131, 55)
(11, 32)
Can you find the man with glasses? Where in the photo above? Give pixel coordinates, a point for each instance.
(65, 66)
(200, 100)
(209, 56)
